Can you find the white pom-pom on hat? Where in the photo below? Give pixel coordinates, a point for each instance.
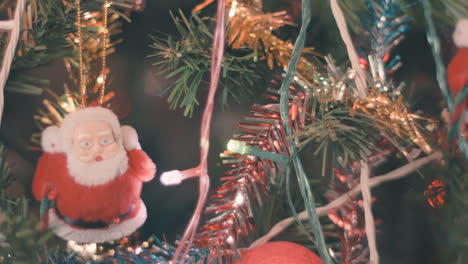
(50, 140)
(460, 35)
(129, 138)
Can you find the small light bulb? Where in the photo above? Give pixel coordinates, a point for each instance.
(138, 250)
(239, 200)
(232, 11)
(170, 178)
(233, 145)
(230, 240)
(87, 15)
(237, 146)
(100, 79)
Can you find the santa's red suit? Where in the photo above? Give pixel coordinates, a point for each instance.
(90, 213)
(457, 73)
(457, 76)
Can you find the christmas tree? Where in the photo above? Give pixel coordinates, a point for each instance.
(336, 126)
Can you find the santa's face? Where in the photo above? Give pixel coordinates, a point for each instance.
(94, 141)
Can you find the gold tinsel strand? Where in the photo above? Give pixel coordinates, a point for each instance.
(393, 115)
(249, 27)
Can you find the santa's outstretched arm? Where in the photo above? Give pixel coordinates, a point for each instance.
(142, 165)
(43, 182)
(139, 161)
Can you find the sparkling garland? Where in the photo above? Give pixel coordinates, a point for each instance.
(248, 174)
(249, 27)
(349, 217)
(386, 25)
(257, 156)
(246, 179)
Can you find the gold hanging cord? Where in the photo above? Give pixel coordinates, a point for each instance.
(102, 77)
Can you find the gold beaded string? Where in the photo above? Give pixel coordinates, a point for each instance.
(102, 77)
(80, 54)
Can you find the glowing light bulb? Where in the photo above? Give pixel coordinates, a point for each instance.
(138, 250)
(100, 79)
(170, 178)
(230, 240)
(239, 200)
(237, 146)
(232, 11)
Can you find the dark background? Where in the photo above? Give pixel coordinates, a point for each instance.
(406, 234)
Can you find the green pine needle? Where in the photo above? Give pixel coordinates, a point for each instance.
(345, 132)
(20, 234)
(186, 60)
(52, 21)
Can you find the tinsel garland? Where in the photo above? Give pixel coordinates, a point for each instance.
(246, 179)
(248, 174)
(259, 155)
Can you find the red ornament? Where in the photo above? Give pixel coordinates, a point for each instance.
(457, 75)
(279, 252)
(435, 193)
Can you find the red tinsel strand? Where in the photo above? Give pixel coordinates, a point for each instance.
(349, 217)
(229, 209)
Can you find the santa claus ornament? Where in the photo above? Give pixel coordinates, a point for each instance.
(457, 76)
(90, 176)
(278, 252)
(92, 171)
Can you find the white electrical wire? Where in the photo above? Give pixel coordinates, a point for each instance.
(14, 27)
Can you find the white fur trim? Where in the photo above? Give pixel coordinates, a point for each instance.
(129, 138)
(86, 251)
(460, 35)
(67, 232)
(87, 114)
(96, 173)
(50, 139)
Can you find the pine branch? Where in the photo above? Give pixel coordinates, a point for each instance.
(20, 236)
(187, 59)
(341, 130)
(45, 36)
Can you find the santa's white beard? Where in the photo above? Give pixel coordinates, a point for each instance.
(98, 172)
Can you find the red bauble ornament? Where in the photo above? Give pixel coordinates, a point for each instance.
(435, 193)
(278, 252)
